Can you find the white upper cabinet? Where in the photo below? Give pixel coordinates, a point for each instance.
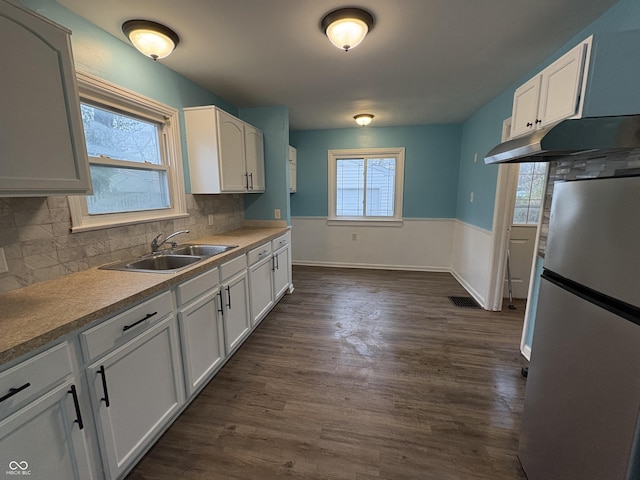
(226, 155)
(552, 95)
(41, 137)
(293, 167)
(561, 87)
(254, 155)
(525, 107)
(231, 147)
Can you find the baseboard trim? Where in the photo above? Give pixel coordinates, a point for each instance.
(371, 266)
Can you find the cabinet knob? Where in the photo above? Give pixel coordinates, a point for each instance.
(538, 121)
(529, 124)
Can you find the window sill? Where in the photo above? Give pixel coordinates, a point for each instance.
(365, 222)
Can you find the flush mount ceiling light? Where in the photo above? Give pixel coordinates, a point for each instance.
(363, 119)
(151, 38)
(347, 27)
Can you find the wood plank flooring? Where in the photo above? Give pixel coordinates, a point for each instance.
(359, 375)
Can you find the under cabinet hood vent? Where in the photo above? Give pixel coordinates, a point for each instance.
(570, 137)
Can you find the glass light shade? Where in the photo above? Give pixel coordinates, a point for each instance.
(347, 33)
(347, 27)
(152, 44)
(363, 119)
(152, 39)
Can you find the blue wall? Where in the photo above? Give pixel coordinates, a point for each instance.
(483, 130)
(274, 123)
(431, 166)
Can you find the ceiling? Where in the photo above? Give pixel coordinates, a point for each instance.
(425, 61)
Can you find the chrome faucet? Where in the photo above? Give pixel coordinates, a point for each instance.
(155, 245)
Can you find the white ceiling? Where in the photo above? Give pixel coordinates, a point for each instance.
(425, 61)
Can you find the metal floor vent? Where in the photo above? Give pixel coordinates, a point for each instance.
(466, 302)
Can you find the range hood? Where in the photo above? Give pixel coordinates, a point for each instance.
(570, 137)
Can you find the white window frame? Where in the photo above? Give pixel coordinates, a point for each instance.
(335, 155)
(545, 167)
(101, 92)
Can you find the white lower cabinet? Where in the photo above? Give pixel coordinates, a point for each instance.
(234, 295)
(281, 265)
(46, 438)
(260, 282)
(90, 406)
(201, 329)
(135, 392)
(43, 430)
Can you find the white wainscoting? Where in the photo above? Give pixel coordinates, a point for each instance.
(435, 245)
(472, 259)
(418, 244)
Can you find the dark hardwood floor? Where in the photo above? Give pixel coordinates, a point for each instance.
(359, 374)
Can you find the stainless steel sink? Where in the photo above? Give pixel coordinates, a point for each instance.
(202, 250)
(170, 261)
(163, 262)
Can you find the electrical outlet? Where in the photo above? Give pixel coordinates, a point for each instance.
(475, 158)
(471, 197)
(276, 214)
(3, 262)
(210, 218)
(354, 237)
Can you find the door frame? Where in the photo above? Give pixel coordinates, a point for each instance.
(502, 219)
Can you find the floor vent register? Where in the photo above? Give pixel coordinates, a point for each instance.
(465, 302)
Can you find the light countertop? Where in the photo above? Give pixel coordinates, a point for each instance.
(36, 315)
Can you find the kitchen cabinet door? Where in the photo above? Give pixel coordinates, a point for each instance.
(232, 153)
(236, 310)
(254, 151)
(47, 438)
(41, 135)
(281, 276)
(261, 283)
(202, 340)
(525, 107)
(293, 169)
(135, 392)
(561, 87)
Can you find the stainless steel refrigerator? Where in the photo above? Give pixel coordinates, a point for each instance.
(582, 401)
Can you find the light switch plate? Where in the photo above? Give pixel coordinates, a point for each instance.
(3, 262)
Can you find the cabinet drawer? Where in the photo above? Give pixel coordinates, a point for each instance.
(33, 376)
(232, 267)
(114, 332)
(257, 254)
(195, 287)
(281, 241)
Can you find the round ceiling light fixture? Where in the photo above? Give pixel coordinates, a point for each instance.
(363, 119)
(150, 38)
(347, 27)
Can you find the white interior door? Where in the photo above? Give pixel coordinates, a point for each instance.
(521, 249)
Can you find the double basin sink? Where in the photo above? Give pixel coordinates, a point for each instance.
(169, 261)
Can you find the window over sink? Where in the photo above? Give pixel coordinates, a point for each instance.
(135, 163)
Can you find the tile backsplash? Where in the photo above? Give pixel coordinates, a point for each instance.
(38, 245)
